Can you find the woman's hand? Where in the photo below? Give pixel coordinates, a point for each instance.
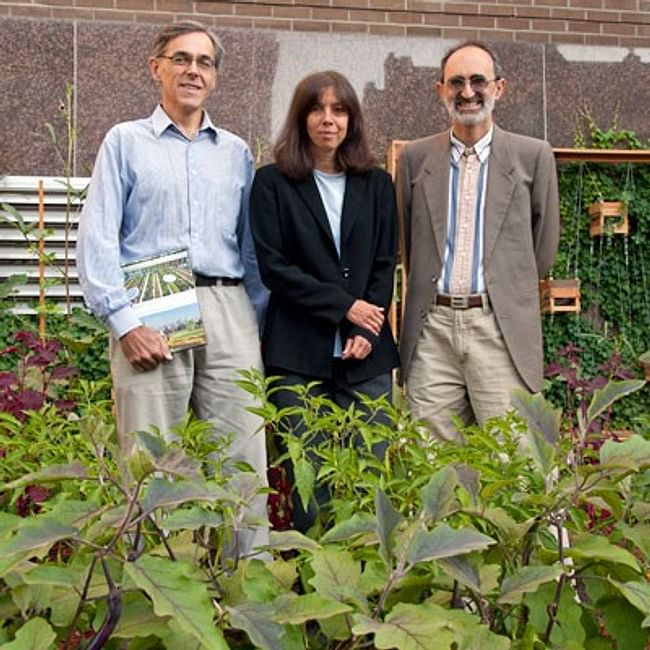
(366, 315)
(356, 347)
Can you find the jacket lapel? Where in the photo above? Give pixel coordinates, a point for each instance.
(436, 189)
(310, 195)
(500, 188)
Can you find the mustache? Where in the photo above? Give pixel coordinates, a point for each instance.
(463, 100)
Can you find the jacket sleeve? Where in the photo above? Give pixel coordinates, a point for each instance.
(285, 279)
(546, 211)
(379, 289)
(404, 198)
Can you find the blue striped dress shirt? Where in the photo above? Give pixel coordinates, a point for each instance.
(482, 149)
(152, 191)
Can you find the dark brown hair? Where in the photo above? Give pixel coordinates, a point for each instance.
(498, 72)
(291, 150)
(173, 30)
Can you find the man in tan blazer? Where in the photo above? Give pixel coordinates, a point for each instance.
(479, 226)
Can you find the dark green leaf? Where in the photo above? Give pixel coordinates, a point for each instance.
(527, 579)
(387, 520)
(438, 496)
(444, 541)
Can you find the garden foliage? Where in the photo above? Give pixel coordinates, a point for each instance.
(523, 536)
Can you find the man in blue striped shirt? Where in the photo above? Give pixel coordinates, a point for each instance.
(170, 181)
(480, 223)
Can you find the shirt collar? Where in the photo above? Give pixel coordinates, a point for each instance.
(482, 147)
(161, 122)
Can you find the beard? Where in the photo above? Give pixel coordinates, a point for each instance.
(470, 119)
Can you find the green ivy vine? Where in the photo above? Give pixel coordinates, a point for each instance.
(614, 270)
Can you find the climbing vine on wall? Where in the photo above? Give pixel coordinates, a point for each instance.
(614, 270)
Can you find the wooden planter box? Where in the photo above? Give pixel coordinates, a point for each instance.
(608, 218)
(558, 296)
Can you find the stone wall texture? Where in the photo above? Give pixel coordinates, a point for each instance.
(563, 59)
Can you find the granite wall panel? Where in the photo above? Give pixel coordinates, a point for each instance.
(394, 76)
(38, 61)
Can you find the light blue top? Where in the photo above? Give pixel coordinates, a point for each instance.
(482, 149)
(153, 190)
(331, 188)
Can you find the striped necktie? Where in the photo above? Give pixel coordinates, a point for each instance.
(461, 273)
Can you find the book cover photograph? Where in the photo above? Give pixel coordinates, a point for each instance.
(163, 295)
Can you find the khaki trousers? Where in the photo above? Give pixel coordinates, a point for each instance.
(202, 379)
(461, 367)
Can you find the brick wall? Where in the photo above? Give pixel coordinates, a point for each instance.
(585, 22)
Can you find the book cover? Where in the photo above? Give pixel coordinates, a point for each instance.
(163, 295)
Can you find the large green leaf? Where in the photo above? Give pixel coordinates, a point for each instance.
(137, 618)
(444, 541)
(256, 619)
(296, 610)
(51, 474)
(336, 576)
(49, 574)
(387, 520)
(588, 547)
(258, 584)
(289, 540)
(542, 453)
(36, 634)
(624, 623)
(438, 496)
(74, 513)
(540, 416)
(638, 534)
(527, 579)
(7, 523)
(110, 519)
(163, 494)
(637, 592)
(429, 627)
(463, 569)
(150, 452)
(568, 628)
(361, 523)
(193, 519)
(633, 453)
(36, 533)
(407, 627)
(603, 398)
(174, 593)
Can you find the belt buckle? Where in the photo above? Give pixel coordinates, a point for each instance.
(459, 302)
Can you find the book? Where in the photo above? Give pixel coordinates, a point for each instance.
(162, 291)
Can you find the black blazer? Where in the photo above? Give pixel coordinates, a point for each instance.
(311, 287)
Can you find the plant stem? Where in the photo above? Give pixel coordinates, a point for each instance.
(82, 600)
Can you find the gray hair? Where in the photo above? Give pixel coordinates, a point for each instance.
(173, 30)
(498, 71)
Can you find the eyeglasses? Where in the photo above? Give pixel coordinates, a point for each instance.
(185, 60)
(477, 82)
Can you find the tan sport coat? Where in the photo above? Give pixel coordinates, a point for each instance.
(522, 228)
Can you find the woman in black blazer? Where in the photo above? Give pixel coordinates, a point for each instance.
(325, 227)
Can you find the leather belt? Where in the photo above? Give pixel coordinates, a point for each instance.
(215, 281)
(462, 302)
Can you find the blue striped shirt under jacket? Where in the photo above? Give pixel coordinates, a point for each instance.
(482, 149)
